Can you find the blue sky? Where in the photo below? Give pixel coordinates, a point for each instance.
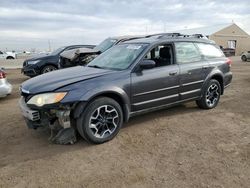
(30, 24)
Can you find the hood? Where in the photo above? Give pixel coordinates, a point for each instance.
(54, 80)
(74, 53)
(40, 57)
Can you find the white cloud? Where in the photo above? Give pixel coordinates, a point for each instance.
(25, 24)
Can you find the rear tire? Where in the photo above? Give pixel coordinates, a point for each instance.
(243, 58)
(100, 121)
(48, 68)
(210, 95)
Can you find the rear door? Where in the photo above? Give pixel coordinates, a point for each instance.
(157, 86)
(193, 69)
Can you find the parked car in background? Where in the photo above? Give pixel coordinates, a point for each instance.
(245, 56)
(47, 62)
(7, 55)
(82, 56)
(5, 86)
(131, 78)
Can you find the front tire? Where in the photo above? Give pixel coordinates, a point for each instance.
(243, 58)
(210, 95)
(100, 121)
(48, 68)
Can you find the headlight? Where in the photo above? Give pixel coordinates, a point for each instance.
(46, 98)
(33, 62)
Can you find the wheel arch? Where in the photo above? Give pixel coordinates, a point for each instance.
(216, 76)
(10, 57)
(118, 97)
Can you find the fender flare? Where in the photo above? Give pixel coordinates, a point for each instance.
(92, 94)
(214, 74)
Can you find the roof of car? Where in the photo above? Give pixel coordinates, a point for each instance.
(127, 37)
(159, 38)
(77, 45)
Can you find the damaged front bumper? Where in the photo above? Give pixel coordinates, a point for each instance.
(57, 120)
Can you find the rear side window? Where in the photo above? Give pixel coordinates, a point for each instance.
(209, 50)
(186, 52)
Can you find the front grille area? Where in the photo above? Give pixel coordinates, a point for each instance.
(29, 114)
(36, 116)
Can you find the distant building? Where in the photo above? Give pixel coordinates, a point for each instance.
(226, 35)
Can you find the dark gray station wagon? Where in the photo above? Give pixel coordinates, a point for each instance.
(131, 78)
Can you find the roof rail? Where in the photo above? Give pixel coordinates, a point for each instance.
(163, 34)
(178, 35)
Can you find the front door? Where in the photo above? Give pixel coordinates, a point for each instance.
(157, 86)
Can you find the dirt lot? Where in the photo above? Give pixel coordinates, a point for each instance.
(178, 147)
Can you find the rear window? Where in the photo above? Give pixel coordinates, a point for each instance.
(209, 50)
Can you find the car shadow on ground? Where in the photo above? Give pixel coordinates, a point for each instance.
(135, 121)
(187, 108)
(36, 141)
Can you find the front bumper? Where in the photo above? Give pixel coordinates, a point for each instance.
(5, 88)
(57, 120)
(29, 114)
(228, 79)
(30, 70)
(32, 117)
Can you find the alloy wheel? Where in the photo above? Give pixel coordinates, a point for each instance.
(212, 95)
(104, 121)
(48, 69)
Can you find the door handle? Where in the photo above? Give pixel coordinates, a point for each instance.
(205, 67)
(172, 73)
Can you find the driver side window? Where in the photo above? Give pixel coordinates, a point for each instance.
(161, 54)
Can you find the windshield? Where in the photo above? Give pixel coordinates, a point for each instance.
(105, 45)
(57, 51)
(119, 57)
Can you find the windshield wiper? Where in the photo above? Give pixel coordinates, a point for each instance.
(95, 66)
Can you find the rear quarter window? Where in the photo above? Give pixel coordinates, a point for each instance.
(210, 51)
(186, 52)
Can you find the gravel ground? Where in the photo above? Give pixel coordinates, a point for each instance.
(182, 146)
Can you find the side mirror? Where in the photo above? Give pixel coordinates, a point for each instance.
(147, 64)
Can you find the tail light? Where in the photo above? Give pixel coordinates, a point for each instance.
(229, 62)
(2, 75)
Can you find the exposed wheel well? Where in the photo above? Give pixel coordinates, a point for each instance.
(220, 80)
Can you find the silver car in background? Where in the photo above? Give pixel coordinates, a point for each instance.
(5, 86)
(245, 56)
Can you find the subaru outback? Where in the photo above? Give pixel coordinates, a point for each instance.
(129, 79)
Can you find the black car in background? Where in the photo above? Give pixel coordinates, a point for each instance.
(131, 78)
(46, 63)
(82, 56)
